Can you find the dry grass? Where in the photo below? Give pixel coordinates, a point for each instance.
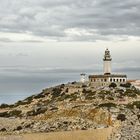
(98, 134)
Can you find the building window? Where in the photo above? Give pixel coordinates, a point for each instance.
(117, 80)
(114, 80)
(105, 80)
(111, 80)
(120, 80)
(123, 80)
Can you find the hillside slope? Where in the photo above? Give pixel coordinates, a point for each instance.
(68, 107)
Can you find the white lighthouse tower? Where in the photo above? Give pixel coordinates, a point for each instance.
(107, 62)
(107, 78)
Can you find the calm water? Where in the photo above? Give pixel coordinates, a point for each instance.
(19, 85)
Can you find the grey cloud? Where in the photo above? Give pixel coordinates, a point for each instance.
(129, 69)
(51, 18)
(5, 40)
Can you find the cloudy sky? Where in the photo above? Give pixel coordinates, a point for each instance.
(46, 34)
(47, 42)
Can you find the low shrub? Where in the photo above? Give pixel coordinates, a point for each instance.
(15, 113)
(84, 86)
(102, 96)
(73, 82)
(107, 105)
(127, 85)
(36, 112)
(113, 85)
(54, 108)
(121, 117)
(130, 93)
(62, 86)
(110, 98)
(131, 105)
(22, 103)
(39, 96)
(90, 97)
(3, 130)
(29, 99)
(87, 91)
(4, 114)
(56, 92)
(18, 128)
(67, 90)
(4, 105)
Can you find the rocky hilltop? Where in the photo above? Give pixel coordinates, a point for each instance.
(75, 106)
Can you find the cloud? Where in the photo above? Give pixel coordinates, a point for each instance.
(4, 39)
(71, 20)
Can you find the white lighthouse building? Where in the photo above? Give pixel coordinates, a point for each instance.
(107, 62)
(83, 78)
(107, 77)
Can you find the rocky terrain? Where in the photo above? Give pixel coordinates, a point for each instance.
(136, 83)
(75, 106)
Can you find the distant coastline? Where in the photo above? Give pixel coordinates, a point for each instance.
(21, 87)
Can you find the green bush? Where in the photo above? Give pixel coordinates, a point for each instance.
(130, 93)
(24, 102)
(127, 85)
(105, 92)
(15, 113)
(29, 99)
(110, 98)
(84, 86)
(73, 82)
(36, 112)
(39, 96)
(121, 91)
(87, 91)
(4, 114)
(54, 108)
(62, 86)
(137, 91)
(4, 105)
(121, 117)
(89, 95)
(18, 128)
(3, 130)
(67, 90)
(102, 96)
(56, 92)
(113, 85)
(107, 105)
(131, 105)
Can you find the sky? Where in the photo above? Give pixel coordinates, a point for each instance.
(41, 35)
(48, 42)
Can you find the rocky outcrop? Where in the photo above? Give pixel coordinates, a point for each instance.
(130, 127)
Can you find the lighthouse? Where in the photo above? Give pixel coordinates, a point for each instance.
(108, 77)
(107, 62)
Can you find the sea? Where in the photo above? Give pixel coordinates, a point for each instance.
(17, 85)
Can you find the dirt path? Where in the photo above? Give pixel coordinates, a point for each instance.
(98, 134)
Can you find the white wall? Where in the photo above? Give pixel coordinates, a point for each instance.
(107, 66)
